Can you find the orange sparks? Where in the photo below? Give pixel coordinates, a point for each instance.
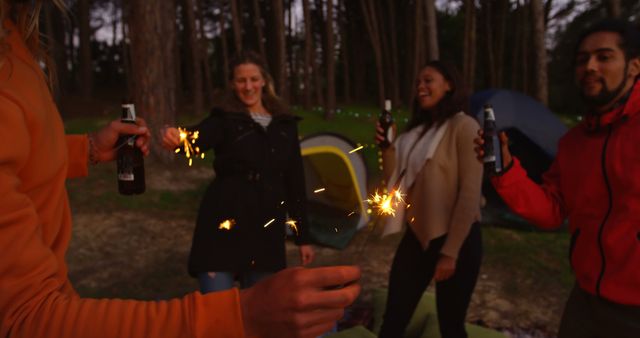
(386, 204)
(292, 224)
(187, 140)
(318, 190)
(356, 149)
(269, 223)
(227, 224)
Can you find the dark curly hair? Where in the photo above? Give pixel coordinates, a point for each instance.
(454, 101)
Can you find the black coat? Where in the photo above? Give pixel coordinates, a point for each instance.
(259, 177)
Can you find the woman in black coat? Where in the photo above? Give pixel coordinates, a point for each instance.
(259, 183)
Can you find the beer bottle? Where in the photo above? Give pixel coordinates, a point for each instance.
(492, 151)
(130, 161)
(386, 123)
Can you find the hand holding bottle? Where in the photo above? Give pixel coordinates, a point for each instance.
(504, 145)
(103, 142)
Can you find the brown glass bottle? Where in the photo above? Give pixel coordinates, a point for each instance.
(130, 160)
(386, 123)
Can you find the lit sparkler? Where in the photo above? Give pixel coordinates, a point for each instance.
(227, 224)
(356, 149)
(292, 224)
(318, 190)
(269, 223)
(187, 141)
(386, 204)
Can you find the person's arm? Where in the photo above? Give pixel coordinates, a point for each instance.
(78, 153)
(540, 204)
(469, 189)
(388, 154)
(210, 133)
(35, 300)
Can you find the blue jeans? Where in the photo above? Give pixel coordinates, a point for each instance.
(224, 280)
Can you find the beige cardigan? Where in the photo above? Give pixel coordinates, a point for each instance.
(445, 197)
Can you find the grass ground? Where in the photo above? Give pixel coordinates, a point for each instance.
(137, 247)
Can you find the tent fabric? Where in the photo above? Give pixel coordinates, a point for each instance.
(517, 110)
(336, 212)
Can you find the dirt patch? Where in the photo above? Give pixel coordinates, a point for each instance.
(143, 255)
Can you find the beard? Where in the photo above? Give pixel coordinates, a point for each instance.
(606, 95)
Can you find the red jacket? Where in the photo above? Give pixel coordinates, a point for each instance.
(595, 182)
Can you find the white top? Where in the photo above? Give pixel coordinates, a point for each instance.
(261, 119)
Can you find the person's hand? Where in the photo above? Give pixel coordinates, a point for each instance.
(380, 132)
(298, 302)
(445, 268)
(170, 138)
(504, 145)
(306, 254)
(104, 140)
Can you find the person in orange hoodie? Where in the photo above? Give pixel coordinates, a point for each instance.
(36, 297)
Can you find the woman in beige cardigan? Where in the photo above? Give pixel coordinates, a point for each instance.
(434, 164)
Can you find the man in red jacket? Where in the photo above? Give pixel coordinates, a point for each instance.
(594, 181)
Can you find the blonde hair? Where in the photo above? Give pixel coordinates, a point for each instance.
(26, 15)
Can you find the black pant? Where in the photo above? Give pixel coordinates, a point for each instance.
(411, 273)
(589, 316)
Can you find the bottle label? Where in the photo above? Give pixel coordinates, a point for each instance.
(390, 135)
(126, 176)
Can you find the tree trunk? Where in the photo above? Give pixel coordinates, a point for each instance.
(418, 49)
(237, 26)
(86, 69)
(330, 105)
(369, 15)
(153, 42)
(500, 23)
(204, 58)
(308, 52)
(318, 19)
(193, 50)
(488, 12)
(344, 50)
(540, 51)
(225, 50)
(393, 51)
(281, 66)
(469, 63)
(526, 48)
(614, 8)
(257, 21)
(126, 50)
(433, 52)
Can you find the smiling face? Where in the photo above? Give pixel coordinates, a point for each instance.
(247, 84)
(602, 72)
(431, 88)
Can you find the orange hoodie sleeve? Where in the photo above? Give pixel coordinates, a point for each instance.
(35, 300)
(78, 152)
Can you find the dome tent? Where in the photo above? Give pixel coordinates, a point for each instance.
(338, 210)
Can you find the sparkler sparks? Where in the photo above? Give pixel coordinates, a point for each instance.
(269, 223)
(227, 224)
(187, 141)
(292, 224)
(356, 149)
(386, 204)
(318, 190)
